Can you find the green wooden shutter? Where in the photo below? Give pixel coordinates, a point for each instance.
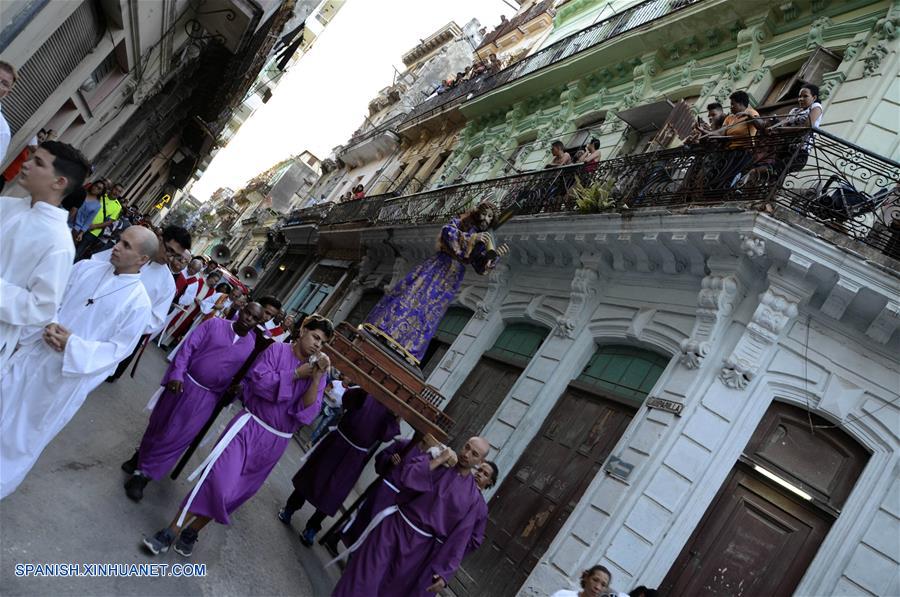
(518, 343)
(624, 371)
(453, 323)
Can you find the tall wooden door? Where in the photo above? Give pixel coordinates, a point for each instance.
(765, 525)
(540, 493)
(492, 378)
(550, 478)
(753, 540)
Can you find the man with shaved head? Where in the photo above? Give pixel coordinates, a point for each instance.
(415, 546)
(104, 311)
(200, 374)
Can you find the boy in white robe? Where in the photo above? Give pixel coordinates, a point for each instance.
(104, 311)
(36, 249)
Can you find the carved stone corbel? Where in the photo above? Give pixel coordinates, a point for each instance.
(585, 288)
(719, 292)
(498, 286)
(777, 307)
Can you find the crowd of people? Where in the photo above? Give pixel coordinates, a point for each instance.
(475, 71)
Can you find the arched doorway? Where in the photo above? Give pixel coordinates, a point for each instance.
(491, 379)
(551, 476)
(765, 525)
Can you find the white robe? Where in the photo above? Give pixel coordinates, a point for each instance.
(160, 286)
(36, 254)
(42, 389)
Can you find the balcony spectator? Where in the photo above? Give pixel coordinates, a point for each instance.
(8, 78)
(742, 122)
(494, 65)
(561, 157)
(715, 119)
(358, 192)
(591, 153)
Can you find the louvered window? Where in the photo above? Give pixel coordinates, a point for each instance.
(53, 62)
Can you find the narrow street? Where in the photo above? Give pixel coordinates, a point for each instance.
(72, 509)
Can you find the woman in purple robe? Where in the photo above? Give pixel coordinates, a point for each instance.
(199, 375)
(335, 463)
(281, 393)
(409, 313)
(415, 547)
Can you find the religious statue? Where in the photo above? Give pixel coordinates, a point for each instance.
(408, 315)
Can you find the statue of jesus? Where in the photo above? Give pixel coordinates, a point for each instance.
(409, 313)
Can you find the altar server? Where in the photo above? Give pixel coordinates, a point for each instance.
(104, 311)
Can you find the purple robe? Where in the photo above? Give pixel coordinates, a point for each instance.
(206, 364)
(271, 393)
(325, 480)
(411, 311)
(382, 495)
(396, 560)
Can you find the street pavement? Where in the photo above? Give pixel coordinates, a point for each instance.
(72, 509)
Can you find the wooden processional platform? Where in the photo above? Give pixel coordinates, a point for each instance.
(367, 362)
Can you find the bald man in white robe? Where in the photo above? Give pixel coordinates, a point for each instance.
(104, 311)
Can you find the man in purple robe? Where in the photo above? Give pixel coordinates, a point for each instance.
(409, 313)
(281, 393)
(201, 372)
(335, 463)
(415, 547)
(388, 464)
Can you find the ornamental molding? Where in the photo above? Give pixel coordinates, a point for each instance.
(720, 292)
(497, 288)
(778, 306)
(586, 284)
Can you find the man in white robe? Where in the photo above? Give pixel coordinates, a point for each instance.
(36, 249)
(156, 276)
(104, 311)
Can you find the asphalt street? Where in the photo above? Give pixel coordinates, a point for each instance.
(72, 509)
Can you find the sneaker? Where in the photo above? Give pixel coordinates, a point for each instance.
(284, 517)
(130, 465)
(134, 486)
(186, 540)
(160, 542)
(308, 537)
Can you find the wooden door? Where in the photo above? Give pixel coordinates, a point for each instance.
(361, 309)
(540, 493)
(480, 395)
(755, 539)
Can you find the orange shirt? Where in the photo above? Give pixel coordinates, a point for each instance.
(740, 130)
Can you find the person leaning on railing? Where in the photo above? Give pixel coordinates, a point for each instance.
(737, 131)
(808, 114)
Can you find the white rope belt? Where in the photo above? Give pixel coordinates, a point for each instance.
(391, 485)
(207, 465)
(347, 439)
(196, 383)
(371, 527)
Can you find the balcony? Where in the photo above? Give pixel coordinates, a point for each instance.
(371, 144)
(590, 37)
(839, 191)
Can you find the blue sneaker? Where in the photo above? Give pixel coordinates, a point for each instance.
(160, 542)
(186, 540)
(308, 537)
(284, 516)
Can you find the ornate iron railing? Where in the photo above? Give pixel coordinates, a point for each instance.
(587, 38)
(850, 190)
(388, 125)
(360, 210)
(307, 215)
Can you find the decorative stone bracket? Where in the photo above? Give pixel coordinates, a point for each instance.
(498, 286)
(719, 292)
(777, 307)
(585, 288)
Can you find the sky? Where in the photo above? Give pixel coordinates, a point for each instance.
(322, 99)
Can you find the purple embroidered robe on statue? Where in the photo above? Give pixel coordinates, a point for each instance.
(205, 364)
(382, 495)
(272, 394)
(396, 560)
(411, 311)
(325, 480)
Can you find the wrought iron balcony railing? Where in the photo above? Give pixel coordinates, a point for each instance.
(307, 215)
(852, 191)
(388, 125)
(598, 33)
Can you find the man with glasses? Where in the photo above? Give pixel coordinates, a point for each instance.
(8, 78)
(156, 276)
